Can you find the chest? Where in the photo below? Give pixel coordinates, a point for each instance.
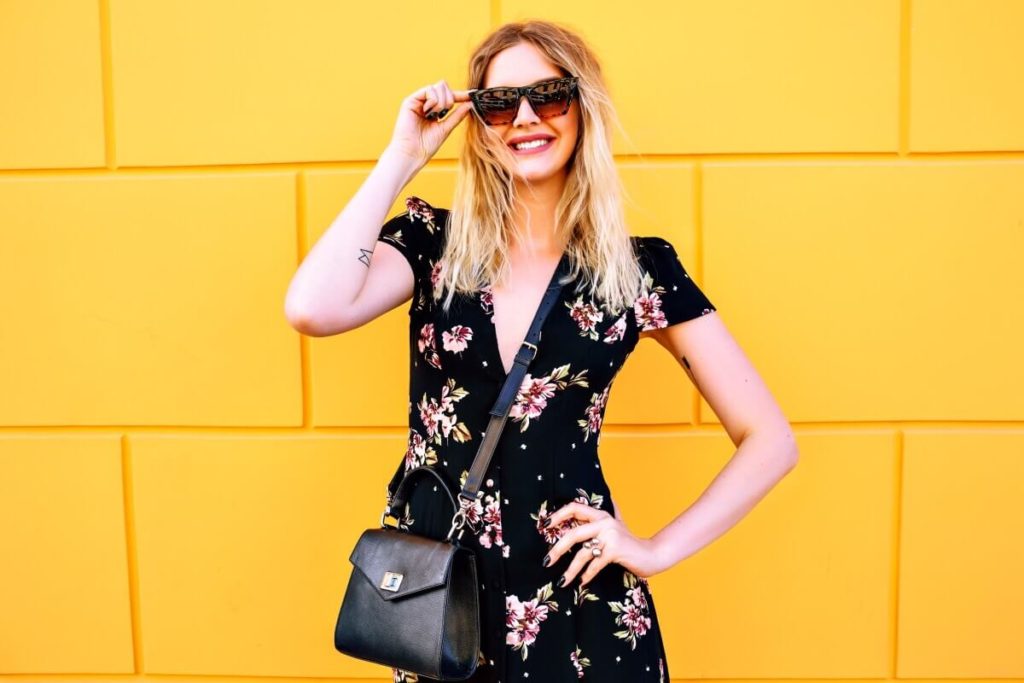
(513, 306)
(482, 332)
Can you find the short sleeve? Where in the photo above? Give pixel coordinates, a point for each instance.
(668, 294)
(415, 233)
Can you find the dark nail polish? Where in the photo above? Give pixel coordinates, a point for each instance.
(561, 580)
(547, 521)
(547, 560)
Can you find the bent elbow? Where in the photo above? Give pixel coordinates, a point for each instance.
(301, 320)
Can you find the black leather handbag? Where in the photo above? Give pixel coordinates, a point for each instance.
(412, 601)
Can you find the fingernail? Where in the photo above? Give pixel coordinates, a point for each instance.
(547, 521)
(561, 580)
(547, 559)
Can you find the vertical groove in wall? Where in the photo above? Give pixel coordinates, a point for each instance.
(894, 567)
(131, 552)
(903, 106)
(107, 80)
(302, 247)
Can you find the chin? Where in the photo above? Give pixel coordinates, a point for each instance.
(537, 175)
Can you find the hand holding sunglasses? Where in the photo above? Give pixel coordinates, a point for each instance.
(418, 133)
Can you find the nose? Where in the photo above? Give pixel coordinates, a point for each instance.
(526, 114)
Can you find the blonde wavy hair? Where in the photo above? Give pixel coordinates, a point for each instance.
(589, 216)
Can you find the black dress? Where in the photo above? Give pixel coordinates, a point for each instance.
(532, 629)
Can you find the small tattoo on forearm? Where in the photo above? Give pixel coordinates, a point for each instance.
(364, 257)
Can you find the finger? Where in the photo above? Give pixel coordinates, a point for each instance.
(446, 94)
(577, 534)
(583, 555)
(595, 566)
(457, 115)
(446, 99)
(461, 95)
(420, 96)
(430, 103)
(559, 515)
(577, 510)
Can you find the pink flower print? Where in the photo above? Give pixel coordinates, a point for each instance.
(523, 618)
(631, 613)
(418, 208)
(617, 330)
(636, 594)
(492, 523)
(578, 661)
(456, 339)
(484, 517)
(487, 300)
(661, 670)
(428, 346)
(418, 452)
(591, 423)
(435, 274)
(647, 306)
(586, 316)
(439, 418)
(534, 393)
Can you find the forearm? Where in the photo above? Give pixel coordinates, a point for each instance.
(334, 271)
(759, 463)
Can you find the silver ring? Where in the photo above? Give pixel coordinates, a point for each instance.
(589, 543)
(596, 551)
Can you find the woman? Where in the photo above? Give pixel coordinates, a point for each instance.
(564, 592)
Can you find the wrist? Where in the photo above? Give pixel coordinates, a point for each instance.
(399, 161)
(658, 554)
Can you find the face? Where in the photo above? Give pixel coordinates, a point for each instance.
(521, 65)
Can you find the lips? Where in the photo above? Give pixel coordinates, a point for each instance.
(527, 138)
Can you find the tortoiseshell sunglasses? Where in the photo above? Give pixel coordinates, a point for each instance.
(499, 106)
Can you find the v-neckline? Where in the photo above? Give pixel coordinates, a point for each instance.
(496, 343)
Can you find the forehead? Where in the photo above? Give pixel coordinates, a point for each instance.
(518, 65)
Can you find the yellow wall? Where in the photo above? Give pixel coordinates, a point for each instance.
(182, 475)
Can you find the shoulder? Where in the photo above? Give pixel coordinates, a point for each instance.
(418, 212)
(653, 251)
(418, 209)
(417, 231)
(668, 293)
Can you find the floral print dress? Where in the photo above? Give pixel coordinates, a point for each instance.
(531, 629)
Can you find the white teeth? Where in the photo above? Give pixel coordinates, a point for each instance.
(531, 144)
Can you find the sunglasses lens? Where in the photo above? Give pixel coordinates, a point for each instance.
(550, 99)
(499, 106)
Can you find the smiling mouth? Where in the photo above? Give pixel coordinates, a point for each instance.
(532, 145)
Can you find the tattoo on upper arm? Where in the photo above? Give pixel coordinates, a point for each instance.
(686, 367)
(364, 257)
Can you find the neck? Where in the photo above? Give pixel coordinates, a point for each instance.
(536, 204)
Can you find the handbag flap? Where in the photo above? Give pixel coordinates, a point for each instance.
(399, 563)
